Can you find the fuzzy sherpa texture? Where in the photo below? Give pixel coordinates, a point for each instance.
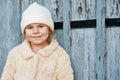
(51, 63)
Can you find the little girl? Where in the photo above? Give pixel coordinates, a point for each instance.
(39, 57)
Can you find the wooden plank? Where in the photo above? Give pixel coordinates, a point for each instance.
(113, 41)
(24, 5)
(112, 8)
(56, 9)
(100, 40)
(113, 54)
(59, 36)
(10, 35)
(83, 9)
(78, 50)
(66, 25)
(89, 58)
(117, 61)
(83, 53)
(83, 39)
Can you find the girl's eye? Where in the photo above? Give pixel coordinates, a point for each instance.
(41, 26)
(29, 27)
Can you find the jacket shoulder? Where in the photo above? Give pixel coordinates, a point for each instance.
(15, 51)
(61, 52)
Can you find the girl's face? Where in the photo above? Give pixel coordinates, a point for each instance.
(37, 33)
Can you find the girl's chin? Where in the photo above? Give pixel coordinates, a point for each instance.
(36, 42)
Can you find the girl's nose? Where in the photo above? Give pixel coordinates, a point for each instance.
(35, 30)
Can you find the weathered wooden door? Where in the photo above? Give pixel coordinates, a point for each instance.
(89, 30)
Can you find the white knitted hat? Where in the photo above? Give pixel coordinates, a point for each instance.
(36, 13)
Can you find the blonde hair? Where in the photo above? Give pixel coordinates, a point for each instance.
(52, 35)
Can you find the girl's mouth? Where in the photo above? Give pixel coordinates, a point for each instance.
(36, 36)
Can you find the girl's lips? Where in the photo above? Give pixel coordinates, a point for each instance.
(36, 36)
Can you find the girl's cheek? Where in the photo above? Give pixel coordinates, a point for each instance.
(28, 32)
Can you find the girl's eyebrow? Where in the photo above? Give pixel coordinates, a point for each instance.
(41, 24)
(29, 25)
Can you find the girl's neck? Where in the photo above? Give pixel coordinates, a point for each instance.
(36, 47)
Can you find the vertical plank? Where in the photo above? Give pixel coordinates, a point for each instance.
(83, 53)
(117, 57)
(89, 34)
(89, 58)
(113, 54)
(24, 5)
(10, 34)
(3, 49)
(56, 9)
(78, 9)
(83, 40)
(100, 40)
(112, 8)
(113, 41)
(66, 25)
(60, 37)
(78, 50)
(83, 9)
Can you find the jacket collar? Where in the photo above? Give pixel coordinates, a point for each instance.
(46, 51)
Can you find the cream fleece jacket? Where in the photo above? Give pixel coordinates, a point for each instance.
(51, 63)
